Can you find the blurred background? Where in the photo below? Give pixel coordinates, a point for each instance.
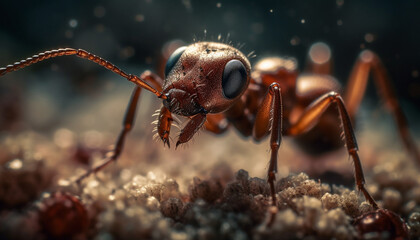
(80, 95)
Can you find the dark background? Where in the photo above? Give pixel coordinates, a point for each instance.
(131, 33)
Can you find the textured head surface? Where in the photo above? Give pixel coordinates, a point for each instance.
(194, 83)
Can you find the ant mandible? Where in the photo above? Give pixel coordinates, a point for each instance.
(210, 82)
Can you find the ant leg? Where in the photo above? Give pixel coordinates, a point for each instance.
(216, 123)
(127, 126)
(191, 128)
(366, 62)
(82, 54)
(127, 123)
(311, 116)
(269, 117)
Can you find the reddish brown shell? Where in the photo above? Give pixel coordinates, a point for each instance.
(63, 216)
(199, 73)
(381, 224)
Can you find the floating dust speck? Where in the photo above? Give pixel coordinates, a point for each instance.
(320, 53)
(139, 18)
(339, 22)
(99, 11)
(127, 52)
(257, 28)
(295, 41)
(68, 34)
(100, 28)
(218, 5)
(149, 60)
(302, 21)
(369, 37)
(415, 74)
(186, 3)
(73, 23)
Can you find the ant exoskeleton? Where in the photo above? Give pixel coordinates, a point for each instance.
(210, 82)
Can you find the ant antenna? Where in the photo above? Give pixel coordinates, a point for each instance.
(82, 54)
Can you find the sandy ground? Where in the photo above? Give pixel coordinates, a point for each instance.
(213, 188)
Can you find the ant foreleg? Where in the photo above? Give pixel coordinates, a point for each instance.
(311, 116)
(269, 117)
(367, 62)
(128, 124)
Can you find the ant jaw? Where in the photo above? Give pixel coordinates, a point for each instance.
(182, 102)
(177, 144)
(166, 141)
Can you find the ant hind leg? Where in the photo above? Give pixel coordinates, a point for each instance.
(369, 62)
(311, 116)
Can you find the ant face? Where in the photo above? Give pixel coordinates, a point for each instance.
(205, 78)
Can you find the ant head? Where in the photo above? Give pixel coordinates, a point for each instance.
(205, 77)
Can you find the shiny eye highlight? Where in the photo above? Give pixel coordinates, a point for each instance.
(173, 59)
(234, 79)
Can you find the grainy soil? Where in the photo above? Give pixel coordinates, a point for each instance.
(184, 194)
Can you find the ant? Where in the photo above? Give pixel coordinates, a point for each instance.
(210, 82)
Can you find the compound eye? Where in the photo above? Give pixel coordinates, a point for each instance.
(234, 79)
(173, 59)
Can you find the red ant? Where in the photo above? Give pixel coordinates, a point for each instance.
(209, 82)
